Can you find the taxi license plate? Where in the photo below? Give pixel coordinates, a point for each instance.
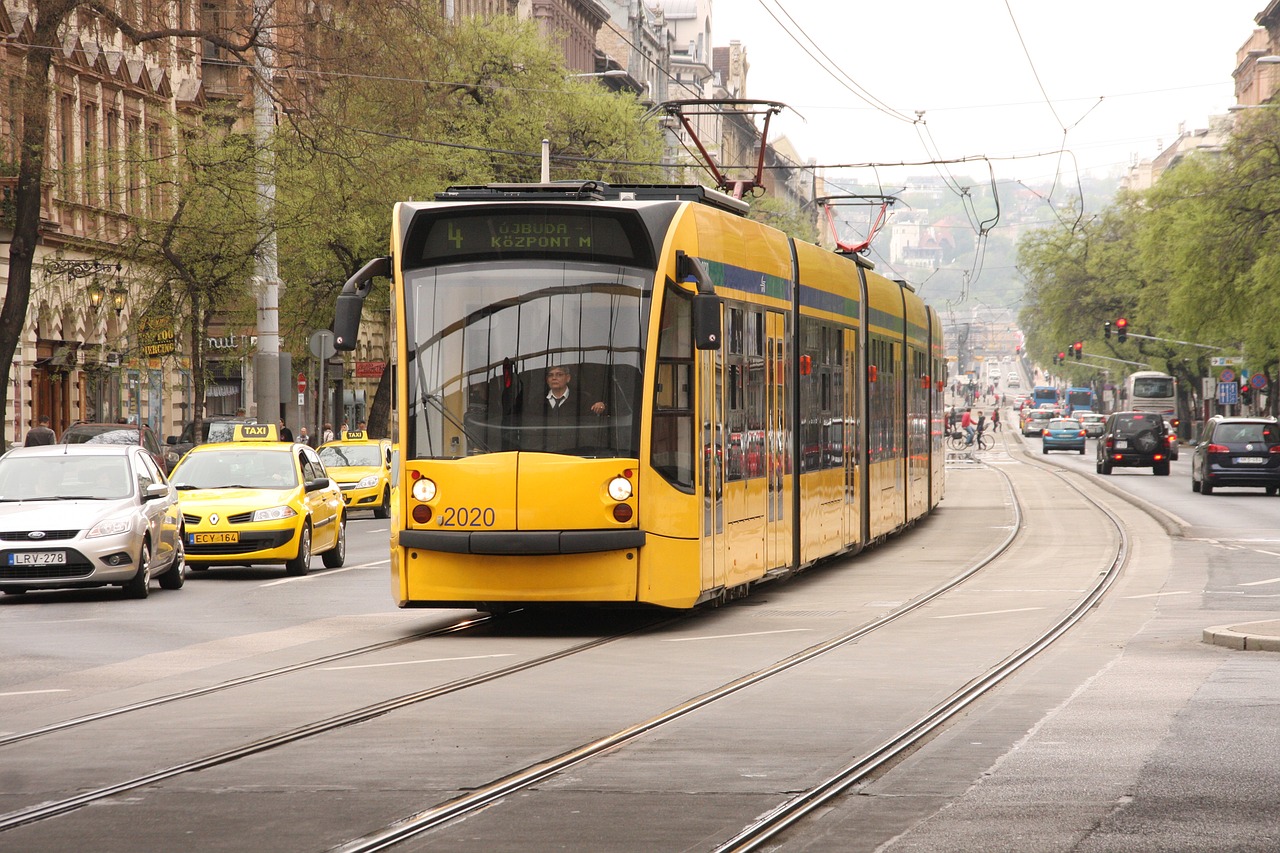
(1250, 460)
(214, 538)
(38, 558)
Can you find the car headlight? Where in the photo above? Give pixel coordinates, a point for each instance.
(110, 527)
(276, 513)
(368, 482)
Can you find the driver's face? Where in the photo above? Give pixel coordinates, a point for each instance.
(558, 380)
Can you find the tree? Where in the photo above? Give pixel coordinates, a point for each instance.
(49, 18)
(482, 97)
(199, 252)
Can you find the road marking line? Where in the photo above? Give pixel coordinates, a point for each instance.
(326, 573)
(732, 636)
(988, 613)
(33, 692)
(1159, 594)
(1261, 583)
(408, 662)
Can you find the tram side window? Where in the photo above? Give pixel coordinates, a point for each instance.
(671, 451)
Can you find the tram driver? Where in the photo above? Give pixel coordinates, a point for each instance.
(564, 412)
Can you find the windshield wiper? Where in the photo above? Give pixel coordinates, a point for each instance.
(431, 398)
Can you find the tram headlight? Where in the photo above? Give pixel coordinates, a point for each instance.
(619, 488)
(424, 489)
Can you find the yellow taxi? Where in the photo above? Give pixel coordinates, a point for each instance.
(362, 467)
(257, 499)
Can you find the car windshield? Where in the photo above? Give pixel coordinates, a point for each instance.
(351, 456)
(71, 477)
(1247, 434)
(1064, 424)
(1139, 421)
(231, 469)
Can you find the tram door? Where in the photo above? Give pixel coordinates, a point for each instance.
(777, 544)
(711, 413)
(851, 447)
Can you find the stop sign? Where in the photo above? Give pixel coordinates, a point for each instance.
(302, 383)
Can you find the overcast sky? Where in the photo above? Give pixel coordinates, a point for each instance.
(972, 67)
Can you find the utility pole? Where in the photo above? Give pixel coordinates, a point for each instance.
(266, 361)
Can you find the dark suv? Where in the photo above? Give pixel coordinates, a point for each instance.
(89, 433)
(212, 430)
(1237, 452)
(1134, 440)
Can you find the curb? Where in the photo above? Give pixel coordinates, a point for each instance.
(1229, 636)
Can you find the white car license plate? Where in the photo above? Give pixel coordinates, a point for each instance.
(1122, 443)
(1250, 460)
(38, 558)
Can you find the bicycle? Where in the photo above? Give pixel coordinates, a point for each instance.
(957, 440)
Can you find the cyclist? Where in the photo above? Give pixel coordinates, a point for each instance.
(966, 424)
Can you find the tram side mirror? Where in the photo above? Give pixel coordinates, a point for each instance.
(346, 317)
(706, 321)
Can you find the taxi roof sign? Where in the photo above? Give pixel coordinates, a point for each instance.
(355, 435)
(256, 432)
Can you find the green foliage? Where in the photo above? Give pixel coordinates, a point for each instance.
(481, 97)
(1193, 259)
(773, 211)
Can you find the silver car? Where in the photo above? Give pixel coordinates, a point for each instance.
(85, 515)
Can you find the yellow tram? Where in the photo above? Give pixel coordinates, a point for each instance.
(635, 394)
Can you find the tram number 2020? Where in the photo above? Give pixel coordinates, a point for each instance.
(461, 516)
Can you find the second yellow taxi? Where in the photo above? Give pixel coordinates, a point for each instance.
(362, 467)
(259, 500)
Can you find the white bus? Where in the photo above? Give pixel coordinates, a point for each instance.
(1151, 391)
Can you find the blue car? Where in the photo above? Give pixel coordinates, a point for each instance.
(1062, 434)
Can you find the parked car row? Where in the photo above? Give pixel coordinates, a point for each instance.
(103, 512)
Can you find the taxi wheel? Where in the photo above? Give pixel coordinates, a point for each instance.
(384, 511)
(301, 564)
(177, 574)
(140, 585)
(337, 555)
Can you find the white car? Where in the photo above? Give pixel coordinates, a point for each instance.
(86, 515)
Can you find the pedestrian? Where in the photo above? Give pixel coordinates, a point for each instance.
(286, 434)
(303, 437)
(41, 434)
(995, 421)
(981, 424)
(327, 435)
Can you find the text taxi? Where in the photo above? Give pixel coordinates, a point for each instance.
(362, 467)
(259, 500)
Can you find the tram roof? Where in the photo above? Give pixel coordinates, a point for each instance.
(595, 191)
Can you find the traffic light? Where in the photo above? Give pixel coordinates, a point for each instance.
(1122, 330)
(1062, 358)
(1106, 330)
(1078, 348)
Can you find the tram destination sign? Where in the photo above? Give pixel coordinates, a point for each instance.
(555, 233)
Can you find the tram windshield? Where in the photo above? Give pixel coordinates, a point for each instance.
(490, 345)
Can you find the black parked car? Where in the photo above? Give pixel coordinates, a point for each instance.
(1134, 440)
(1237, 452)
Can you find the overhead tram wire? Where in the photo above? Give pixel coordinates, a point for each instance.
(831, 67)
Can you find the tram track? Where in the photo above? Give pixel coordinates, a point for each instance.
(46, 810)
(481, 796)
(253, 678)
(794, 810)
